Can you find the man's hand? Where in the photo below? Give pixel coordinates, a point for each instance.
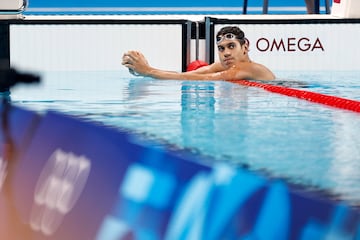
(136, 62)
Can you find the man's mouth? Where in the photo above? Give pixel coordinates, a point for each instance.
(227, 61)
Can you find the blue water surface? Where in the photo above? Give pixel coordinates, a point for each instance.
(283, 137)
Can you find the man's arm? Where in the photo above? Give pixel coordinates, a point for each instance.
(192, 75)
(137, 62)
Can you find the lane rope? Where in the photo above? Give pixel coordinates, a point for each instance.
(329, 100)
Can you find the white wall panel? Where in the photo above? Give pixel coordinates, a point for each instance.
(93, 47)
(319, 47)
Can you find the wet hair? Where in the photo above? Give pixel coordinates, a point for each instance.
(240, 35)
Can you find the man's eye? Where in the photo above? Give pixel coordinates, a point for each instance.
(220, 48)
(231, 46)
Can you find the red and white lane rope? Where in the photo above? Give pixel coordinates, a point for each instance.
(333, 101)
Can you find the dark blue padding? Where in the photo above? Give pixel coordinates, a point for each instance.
(17, 127)
(21, 126)
(131, 190)
(74, 141)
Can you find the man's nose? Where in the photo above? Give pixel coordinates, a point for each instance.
(227, 53)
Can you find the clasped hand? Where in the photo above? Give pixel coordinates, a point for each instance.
(136, 62)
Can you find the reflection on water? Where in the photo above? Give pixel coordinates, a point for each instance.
(344, 168)
(197, 114)
(284, 137)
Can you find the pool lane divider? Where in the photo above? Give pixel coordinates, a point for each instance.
(329, 100)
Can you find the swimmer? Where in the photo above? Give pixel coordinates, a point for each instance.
(234, 64)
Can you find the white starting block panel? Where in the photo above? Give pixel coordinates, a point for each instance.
(10, 7)
(346, 8)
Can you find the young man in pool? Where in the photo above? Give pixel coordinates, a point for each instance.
(235, 64)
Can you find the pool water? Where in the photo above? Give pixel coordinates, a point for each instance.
(283, 137)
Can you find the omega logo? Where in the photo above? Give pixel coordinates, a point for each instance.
(58, 188)
(290, 44)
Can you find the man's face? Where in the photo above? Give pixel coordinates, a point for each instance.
(230, 52)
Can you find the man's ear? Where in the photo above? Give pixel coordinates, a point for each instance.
(246, 48)
(247, 44)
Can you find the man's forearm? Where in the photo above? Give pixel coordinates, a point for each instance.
(171, 75)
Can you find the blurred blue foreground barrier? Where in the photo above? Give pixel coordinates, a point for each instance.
(75, 179)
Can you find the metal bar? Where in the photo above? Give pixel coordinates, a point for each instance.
(316, 6)
(186, 44)
(209, 52)
(4, 51)
(197, 40)
(245, 4)
(327, 6)
(4, 46)
(265, 6)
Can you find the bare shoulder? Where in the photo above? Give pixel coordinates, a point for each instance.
(212, 68)
(261, 72)
(216, 67)
(252, 71)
